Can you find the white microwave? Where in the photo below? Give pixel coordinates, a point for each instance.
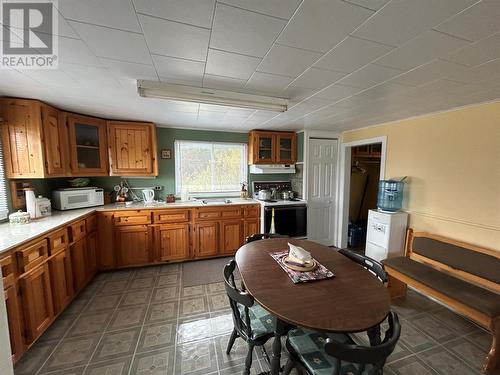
(68, 199)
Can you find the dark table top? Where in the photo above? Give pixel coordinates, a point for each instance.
(354, 300)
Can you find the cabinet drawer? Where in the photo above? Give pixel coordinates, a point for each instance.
(31, 256)
(7, 267)
(208, 214)
(231, 212)
(77, 230)
(171, 216)
(58, 240)
(132, 218)
(252, 211)
(91, 223)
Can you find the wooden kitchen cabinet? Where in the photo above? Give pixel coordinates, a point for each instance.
(37, 304)
(133, 245)
(33, 139)
(251, 226)
(231, 236)
(87, 145)
(132, 148)
(15, 322)
(61, 276)
(91, 254)
(105, 241)
(79, 264)
(206, 239)
(268, 147)
(172, 242)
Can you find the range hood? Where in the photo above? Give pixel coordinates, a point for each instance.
(272, 168)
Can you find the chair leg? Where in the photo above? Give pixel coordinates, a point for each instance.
(492, 361)
(230, 344)
(248, 360)
(288, 367)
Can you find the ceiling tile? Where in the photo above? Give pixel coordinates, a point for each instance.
(297, 93)
(230, 64)
(475, 23)
(312, 27)
(371, 4)
(130, 70)
(352, 54)
(428, 72)
(242, 31)
(481, 72)
(114, 44)
(369, 76)
(477, 53)
(402, 20)
(424, 48)
(287, 61)
(193, 12)
(94, 77)
(75, 51)
(265, 82)
(172, 69)
(175, 39)
(223, 83)
(381, 91)
(277, 8)
(336, 92)
(314, 78)
(53, 78)
(118, 14)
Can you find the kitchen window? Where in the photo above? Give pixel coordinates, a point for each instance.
(4, 208)
(210, 168)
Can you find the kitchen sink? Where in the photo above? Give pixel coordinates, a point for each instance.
(215, 201)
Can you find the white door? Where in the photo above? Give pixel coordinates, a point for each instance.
(322, 176)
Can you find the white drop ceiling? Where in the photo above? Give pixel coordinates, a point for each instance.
(342, 64)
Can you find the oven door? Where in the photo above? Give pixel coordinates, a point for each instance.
(288, 220)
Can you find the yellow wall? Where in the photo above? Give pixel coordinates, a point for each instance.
(452, 160)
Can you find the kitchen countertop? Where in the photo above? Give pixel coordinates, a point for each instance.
(13, 235)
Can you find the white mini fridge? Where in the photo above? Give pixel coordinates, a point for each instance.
(385, 234)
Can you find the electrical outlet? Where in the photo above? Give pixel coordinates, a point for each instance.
(158, 187)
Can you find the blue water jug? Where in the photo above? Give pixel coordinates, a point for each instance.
(390, 195)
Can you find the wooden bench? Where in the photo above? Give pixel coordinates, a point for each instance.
(464, 277)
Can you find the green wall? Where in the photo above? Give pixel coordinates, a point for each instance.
(166, 167)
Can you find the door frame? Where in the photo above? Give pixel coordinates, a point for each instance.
(345, 182)
(327, 135)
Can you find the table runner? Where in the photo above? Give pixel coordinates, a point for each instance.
(320, 273)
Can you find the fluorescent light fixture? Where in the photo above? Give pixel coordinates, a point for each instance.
(161, 90)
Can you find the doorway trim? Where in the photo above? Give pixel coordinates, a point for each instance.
(345, 182)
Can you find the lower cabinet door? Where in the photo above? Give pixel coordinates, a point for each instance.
(250, 226)
(15, 322)
(79, 264)
(61, 277)
(91, 254)
(37, 301)
(172, 242)
(133, 245)
(231, 236)
(206, 236)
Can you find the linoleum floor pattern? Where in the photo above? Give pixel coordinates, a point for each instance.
(143, 321)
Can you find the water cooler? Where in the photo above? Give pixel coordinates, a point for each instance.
(385, 234)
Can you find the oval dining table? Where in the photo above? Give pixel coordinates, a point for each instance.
(352, 301)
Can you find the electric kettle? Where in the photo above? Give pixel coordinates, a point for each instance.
(148, 195)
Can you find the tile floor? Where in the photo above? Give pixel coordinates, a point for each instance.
(144, 322)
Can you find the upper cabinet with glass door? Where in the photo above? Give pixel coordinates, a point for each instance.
(267, 147)
(88, 146)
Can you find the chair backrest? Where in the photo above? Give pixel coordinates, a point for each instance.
(239, 300)
(263, 236)
(368, 263)
(362, 356)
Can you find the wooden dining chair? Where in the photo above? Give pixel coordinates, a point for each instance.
(263, 236)
(368, 263)
(316, 353)
(251, 322)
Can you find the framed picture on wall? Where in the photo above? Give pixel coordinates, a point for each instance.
(166, 154)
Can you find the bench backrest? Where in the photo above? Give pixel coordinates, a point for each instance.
(465, 261)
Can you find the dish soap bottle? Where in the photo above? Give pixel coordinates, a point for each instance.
(244, 191)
